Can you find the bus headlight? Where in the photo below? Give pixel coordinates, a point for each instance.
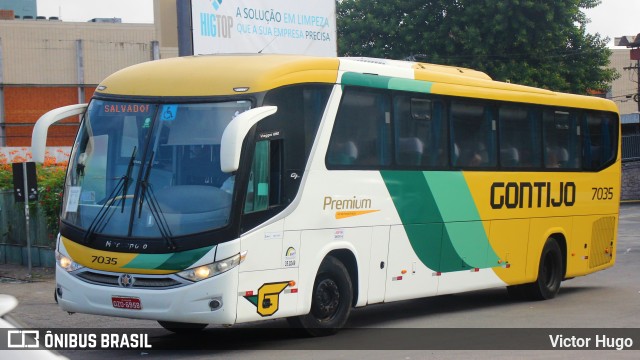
(66, 263)
(206, 271)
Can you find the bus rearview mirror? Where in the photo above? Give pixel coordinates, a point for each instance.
(234, 134)
(41, 128)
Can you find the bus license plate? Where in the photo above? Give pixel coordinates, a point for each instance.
(126, 302)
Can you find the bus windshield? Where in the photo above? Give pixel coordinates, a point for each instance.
(150, 170)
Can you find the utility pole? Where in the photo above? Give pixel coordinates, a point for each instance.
(637, 94)
(636, 97)
(634, 54)
(185, 28)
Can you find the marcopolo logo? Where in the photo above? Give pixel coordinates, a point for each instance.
(216, 25)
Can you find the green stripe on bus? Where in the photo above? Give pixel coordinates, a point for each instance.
(463, 228)
(452, 195)
(441, 220)
(374, 81)
(147, 261)
(184, 259)
(426, 241)
(385, 82)
(410, 85)
(411, 197)
(172, 261)
(421, 218)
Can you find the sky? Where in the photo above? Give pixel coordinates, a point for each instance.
(612, 18)
(130, 11)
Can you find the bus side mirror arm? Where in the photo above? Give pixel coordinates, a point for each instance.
(234, 134)
(39, 135)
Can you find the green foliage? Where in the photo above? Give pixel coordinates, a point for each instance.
(50, 187)
(540, 43)
(6, 177)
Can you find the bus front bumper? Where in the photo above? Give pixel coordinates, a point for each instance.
(210, 301)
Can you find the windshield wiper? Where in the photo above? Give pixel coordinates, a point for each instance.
(154, 206)
(145, 183)
(120, 188)
(127, 177)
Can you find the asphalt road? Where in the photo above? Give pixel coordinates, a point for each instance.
(607, 299)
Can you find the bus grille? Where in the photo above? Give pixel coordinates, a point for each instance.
(602, 241)
(140, 281)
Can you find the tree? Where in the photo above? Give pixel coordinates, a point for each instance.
(541, 43)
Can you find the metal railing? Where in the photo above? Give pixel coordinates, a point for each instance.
(631, 147)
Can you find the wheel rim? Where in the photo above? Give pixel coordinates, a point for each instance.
(326, 299)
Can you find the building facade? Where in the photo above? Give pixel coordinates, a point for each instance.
(47, 64)
(626, 86)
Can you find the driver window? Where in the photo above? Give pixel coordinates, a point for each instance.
(258, 187)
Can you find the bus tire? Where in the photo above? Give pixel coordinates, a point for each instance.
(550, 273)
(182, 328)
(331, 301)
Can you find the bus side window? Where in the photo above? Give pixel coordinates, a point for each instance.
(473, 138)
(561, 133)
(599, 140)
(361, 135)
(421, 139)
(519, 139)
(343, 153)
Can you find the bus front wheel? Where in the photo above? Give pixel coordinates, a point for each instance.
(331, 300)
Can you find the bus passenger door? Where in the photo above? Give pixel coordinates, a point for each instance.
(378, 264)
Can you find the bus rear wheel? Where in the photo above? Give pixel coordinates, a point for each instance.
(550, 274)
(331, 300)
(182, 328)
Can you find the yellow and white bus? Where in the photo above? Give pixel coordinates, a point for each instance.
(227, 189)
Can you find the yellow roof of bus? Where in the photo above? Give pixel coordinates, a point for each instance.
(209, 75)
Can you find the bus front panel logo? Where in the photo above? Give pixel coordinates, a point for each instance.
(268, 299)
(126, 280)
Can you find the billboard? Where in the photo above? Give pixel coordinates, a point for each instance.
(264, 26)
